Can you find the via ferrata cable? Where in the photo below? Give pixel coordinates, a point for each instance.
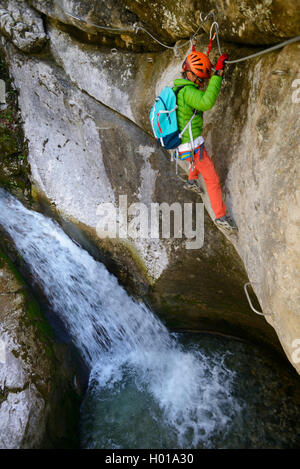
(139, 27)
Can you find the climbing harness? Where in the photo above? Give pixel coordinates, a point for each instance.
(250, 302)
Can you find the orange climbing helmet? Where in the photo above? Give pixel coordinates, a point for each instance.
(197, 63)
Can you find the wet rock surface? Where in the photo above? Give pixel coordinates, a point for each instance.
(38, 404)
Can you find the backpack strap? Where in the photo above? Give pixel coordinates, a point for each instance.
(190, 121)
(178, 89)
(166, 110)
(192, 141)
(188, 125)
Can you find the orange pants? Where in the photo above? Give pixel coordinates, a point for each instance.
(206, 168)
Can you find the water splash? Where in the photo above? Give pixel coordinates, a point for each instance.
(119, 338)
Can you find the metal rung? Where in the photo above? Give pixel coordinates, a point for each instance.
(250, 303)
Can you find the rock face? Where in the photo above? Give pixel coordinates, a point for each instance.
(33, 380)
(254, 22)
(251, 22)
(262, 182)
(14, 167)
(85, 111)
(22, 25)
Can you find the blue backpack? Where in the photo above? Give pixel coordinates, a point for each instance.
(163, 119)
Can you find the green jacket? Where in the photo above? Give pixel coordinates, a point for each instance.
(190, 98)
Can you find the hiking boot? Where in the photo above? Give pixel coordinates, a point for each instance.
(193, 186)
(226, 223)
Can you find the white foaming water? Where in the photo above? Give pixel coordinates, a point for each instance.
(114, 332)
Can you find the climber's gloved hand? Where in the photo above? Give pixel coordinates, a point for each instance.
(221, 64)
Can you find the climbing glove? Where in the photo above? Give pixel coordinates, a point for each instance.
(220, 63)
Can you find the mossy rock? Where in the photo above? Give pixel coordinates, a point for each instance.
(14, 166)
(8, 142)
(47, 364)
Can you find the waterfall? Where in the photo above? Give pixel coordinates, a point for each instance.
(119, 337)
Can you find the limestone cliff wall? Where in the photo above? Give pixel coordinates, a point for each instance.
(85, 112)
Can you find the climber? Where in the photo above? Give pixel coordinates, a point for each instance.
(196, 71)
